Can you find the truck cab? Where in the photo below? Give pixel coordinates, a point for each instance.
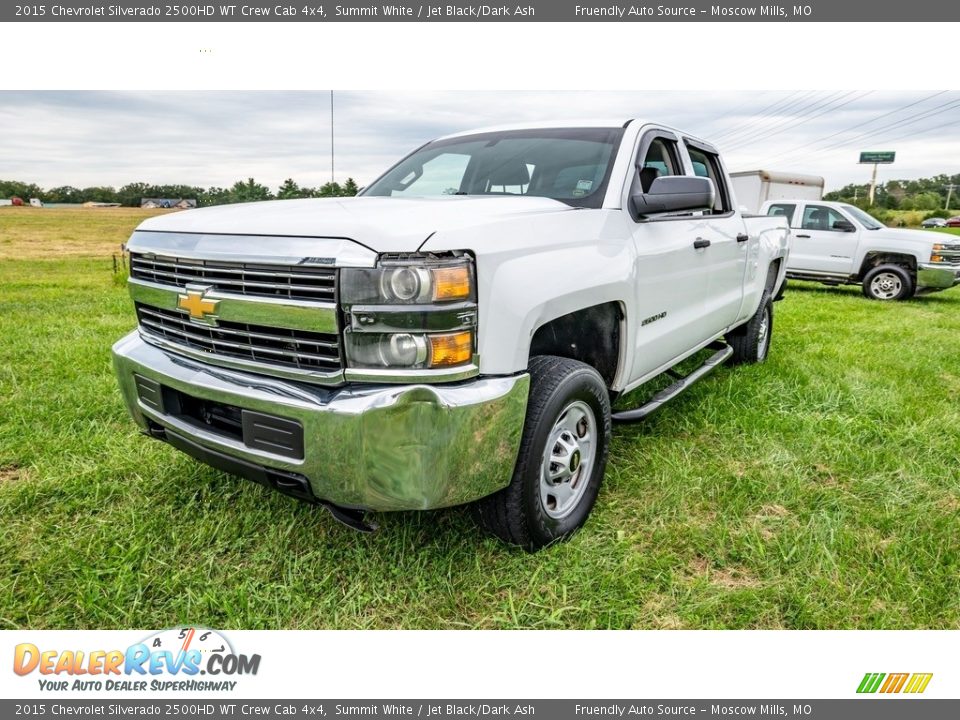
(837, 243)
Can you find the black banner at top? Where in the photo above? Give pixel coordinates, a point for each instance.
(853, 11)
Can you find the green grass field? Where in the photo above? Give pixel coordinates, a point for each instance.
(820, 490)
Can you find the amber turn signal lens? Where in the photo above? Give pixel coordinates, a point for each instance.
(447, 350)
(451, 283)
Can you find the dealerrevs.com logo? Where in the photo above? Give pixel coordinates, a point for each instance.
(168, 660)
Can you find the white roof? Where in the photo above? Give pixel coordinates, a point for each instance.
(573, 123)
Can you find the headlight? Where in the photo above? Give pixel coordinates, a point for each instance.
(412, 312)
(409, 282)
(408, 350)
(935, 256)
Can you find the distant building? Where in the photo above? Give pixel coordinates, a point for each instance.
(180, 203)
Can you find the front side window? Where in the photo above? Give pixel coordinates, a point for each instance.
(820, 217)
(659, 159)
(571, 165)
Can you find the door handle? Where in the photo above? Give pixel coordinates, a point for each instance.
(742, 237)
(700, 243)
(804, 236)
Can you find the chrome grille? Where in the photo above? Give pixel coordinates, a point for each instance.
(276, 346)
(284, 281)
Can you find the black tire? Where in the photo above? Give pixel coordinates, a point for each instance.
(751, 341)
(518, 514)
(888, 282)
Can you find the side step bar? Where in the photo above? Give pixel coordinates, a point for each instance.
(722, 354)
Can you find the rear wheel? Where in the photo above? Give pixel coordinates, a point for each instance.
(888, 282)
(563, 454)
(751, 341)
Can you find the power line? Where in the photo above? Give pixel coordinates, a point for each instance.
(763, 113)
(717, 118)
(925, 130)
(909, 120)
(796, 110)
(858, 125)
(830, 105)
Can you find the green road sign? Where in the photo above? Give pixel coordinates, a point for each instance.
(877, 157)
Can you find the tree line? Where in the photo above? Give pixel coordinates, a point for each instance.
(928, 194)
(130, 195)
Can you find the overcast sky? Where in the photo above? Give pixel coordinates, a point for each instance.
(216, 138)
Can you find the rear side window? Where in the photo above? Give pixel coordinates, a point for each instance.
(782, 210)
(707, 164)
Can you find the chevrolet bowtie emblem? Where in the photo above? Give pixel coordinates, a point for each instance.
(201, 309)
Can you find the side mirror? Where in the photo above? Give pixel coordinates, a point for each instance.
(675, 193)
(844, 226)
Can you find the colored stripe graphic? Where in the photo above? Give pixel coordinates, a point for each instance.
(894, 683)
(870, 682)
(918, 683)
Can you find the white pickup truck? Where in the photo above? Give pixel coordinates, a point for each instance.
(836, 243)
(457, 332)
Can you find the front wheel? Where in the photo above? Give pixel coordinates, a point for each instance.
(563, 454)
(888, 282)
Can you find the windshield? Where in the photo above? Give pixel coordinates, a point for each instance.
(865, 219)
(567, 164)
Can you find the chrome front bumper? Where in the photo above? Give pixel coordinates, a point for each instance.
(409, 447)
(932, 276)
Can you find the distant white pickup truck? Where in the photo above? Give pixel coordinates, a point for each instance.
(836, 243)
(457, 333)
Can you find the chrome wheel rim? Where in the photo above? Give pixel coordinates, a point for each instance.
(886, 286)
(568, 460)
(763, 334)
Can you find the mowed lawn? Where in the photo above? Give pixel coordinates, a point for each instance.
(820, 490)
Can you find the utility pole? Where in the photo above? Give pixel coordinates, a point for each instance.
(950, 188)
(331, 139)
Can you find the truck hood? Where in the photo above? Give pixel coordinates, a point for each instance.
(382, 224)
(919, 238)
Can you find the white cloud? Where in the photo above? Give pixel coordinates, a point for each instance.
(216, 138)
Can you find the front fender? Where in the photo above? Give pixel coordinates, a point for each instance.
(522, 295)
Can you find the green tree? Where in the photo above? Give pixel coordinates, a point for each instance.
(289, 189)
(62, 194)
(927, 201)
(249, 191)
(330, 189)
(22, 190)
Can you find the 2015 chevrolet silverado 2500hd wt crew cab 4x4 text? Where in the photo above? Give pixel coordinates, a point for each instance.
(837, 243)
(456, 333)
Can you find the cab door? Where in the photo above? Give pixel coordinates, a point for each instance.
(723, 228)
(671, 276)
(822, 240)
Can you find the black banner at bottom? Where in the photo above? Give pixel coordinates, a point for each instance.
(874, 707)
